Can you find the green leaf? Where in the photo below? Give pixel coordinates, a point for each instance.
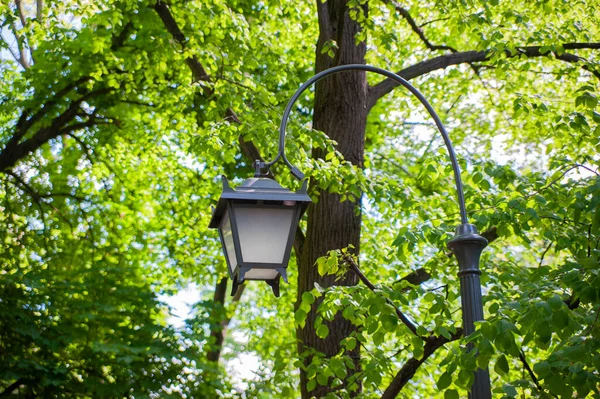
(560, 319)
(417, 345)
(504, 326)
(338, 367)
(322, 379)
(555, 302)
(322, 266)
(488, 330)
(322, 331)
(465, 378)
(483, 361)
(444, 332)
(588, 295)
(451, 394)
(300, 317)
(422, 331)
(501, 366)
(510, 390)
(350, 343)
(541, 369)
(444, 381)
(308, 297)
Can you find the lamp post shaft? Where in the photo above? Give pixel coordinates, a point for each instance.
(467, 246)
(470, 292)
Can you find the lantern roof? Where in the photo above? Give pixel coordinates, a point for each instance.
(257, 189)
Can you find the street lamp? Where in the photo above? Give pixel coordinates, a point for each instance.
(257, 224)
(466, 244)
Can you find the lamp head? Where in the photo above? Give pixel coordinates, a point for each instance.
(257, 225)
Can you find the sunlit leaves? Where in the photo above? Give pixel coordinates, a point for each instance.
(96, 223)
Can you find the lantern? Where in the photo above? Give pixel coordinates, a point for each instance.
(257, 224)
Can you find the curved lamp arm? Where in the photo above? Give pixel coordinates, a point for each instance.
(359, 67)
(466, 245)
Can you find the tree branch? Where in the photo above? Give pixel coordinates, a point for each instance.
(417, 29)
(10, 49)
(530, 371)
(406, 373)
(490, 234)
(433, 20)
(25, 122)
(572, 302)
(544, 253)
(354, 267)
(22, 58)
(192, 62)
(9, 390)
(14, 152)
(36, 199)
(220, 321)
(417, 277)
(92, 121)
(22, 41)
(21, 13)
(468, 57)
(118, 40)
(432, 342)
(216, 330)
(39, 10)
(559, 178)
(199, 74)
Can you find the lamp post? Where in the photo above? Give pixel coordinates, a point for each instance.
(466, 244)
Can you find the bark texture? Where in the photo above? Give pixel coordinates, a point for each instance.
(341, 112)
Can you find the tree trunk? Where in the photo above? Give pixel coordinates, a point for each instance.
(340, 111)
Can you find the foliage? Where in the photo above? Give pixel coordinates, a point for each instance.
(115, 122)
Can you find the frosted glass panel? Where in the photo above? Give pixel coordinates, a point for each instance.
(263, 233)
(261, 274)
(228, 241)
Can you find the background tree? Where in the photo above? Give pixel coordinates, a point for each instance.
(118, 116)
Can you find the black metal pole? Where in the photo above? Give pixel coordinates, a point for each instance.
(466, 245)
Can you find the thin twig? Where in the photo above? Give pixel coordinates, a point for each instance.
(589, 240)
(530, 371)
(61, 194)
(24, 124)
(445, 286)
(544, 253)
(433, 20)
(35, 197)
(572, 167)
(348, 258)
(22, 59)
(143, 104)
(222, 77)
(10, 49)
(596, 319)
(406, 15)
(84, 147)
